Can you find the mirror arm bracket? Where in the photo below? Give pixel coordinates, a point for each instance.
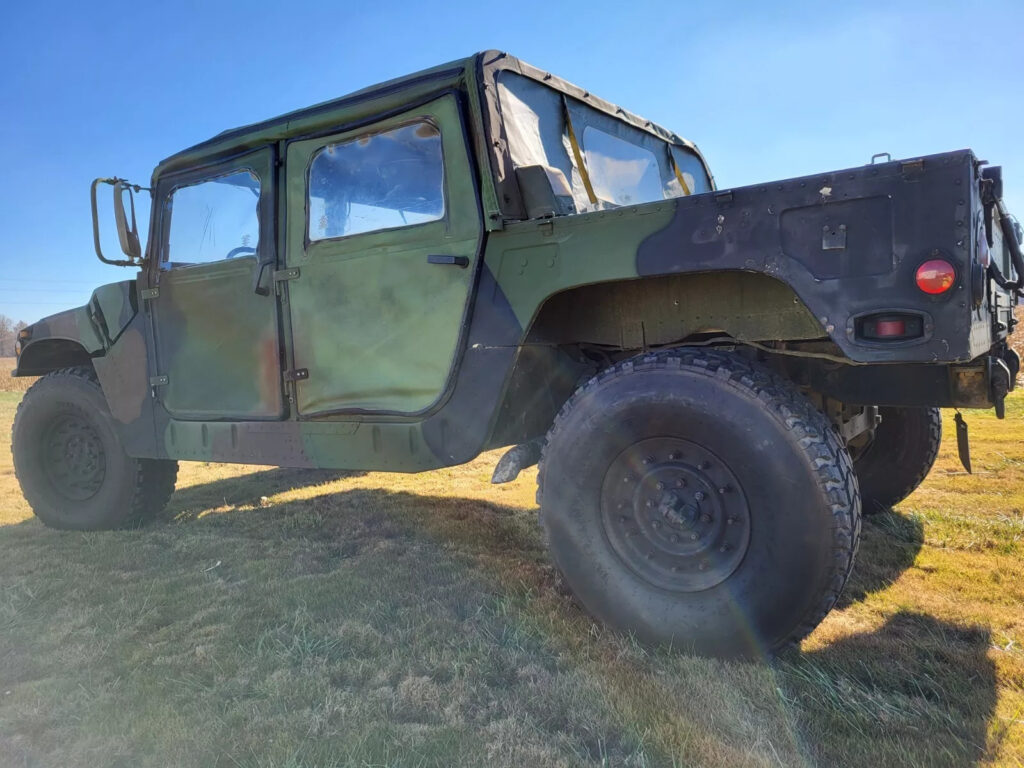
(129, 238)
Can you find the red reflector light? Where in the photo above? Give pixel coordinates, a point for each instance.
(935, 276)
(885, 328)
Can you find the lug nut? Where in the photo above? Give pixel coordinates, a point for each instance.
(655, 524)
(703, 566)
(698, 496)
(730, 520)
(693, 537)
(723, 489)
(724, 548)
(705, 518)
(660, 486)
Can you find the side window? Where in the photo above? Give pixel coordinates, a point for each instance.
(214, 219)
(622, 173)
(381, 181)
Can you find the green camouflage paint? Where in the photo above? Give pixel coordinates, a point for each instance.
(357, 353)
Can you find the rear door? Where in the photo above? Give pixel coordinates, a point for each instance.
(384, 231)
(215, 320)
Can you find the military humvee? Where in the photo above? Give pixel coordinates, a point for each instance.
(483, 255)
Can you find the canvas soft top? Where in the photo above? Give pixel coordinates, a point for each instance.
(370, 102)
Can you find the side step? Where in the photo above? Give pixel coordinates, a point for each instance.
(516, 460)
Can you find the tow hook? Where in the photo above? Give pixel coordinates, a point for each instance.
(963, 448)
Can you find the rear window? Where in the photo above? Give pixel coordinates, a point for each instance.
(622, 173)
(625, 165)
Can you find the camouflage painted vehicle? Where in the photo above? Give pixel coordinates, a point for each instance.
(483, 255)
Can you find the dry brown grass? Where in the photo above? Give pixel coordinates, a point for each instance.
(9, 383)
(287, 618)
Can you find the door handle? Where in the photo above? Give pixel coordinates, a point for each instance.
(257, 280)
(454, 261)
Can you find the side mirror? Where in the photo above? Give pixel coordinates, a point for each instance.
(127, 234)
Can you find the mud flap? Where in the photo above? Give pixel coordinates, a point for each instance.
(963, 448)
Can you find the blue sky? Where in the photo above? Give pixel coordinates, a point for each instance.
(767, 90)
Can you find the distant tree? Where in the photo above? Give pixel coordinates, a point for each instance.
(7, 336)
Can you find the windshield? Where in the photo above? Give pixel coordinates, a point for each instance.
(607, 163)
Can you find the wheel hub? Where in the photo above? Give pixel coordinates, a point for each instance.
(675, 514)
(74, 458)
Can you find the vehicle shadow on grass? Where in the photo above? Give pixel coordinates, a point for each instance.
(917, 690)
(190, 502)
(921, 689)
(889, 544)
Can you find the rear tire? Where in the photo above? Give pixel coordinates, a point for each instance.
(69, 460)
(694, 498)
(899, 457)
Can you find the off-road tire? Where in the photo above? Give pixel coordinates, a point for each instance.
(69, 461)
(700, 416)
(899, 457)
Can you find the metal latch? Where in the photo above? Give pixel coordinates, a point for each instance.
(833, 238)
(158, 381)
(296, 374)
(150, 293)
(285, 274)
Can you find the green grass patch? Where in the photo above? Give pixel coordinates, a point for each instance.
(313, 618)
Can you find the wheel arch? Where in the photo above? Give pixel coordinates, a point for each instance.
(45, 355)
(621, 317)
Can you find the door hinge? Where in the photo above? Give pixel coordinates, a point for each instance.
(296, 374)
(290, 273)
(150, 293)
(158, 381)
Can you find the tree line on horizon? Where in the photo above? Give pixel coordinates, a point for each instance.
(9, 334)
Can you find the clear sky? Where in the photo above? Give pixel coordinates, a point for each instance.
(767, 90)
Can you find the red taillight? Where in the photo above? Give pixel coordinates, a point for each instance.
(935, 276)
(888, 328)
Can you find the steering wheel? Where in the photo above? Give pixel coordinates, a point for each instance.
(239, 251)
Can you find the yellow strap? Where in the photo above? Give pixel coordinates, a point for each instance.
(577, 154)
(679, 176)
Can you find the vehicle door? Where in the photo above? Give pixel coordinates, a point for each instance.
(383, 236)
(214, 317)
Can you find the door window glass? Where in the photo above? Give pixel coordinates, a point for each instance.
(214, 219)
(385, 180)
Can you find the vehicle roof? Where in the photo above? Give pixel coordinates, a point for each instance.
(391, 94)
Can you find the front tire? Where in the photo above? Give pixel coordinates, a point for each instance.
(694, 498)
(899, 458)
(69, 461)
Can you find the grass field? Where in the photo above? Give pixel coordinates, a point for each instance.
(299, 618)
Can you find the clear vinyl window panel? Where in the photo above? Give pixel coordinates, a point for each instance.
(622, 173)
(382, 181)
(214, 219)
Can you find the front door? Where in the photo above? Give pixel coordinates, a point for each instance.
(384, 228)
(215, 319)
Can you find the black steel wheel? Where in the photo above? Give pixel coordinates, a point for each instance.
(70, 463)
(899, 457)
(674, 513)
(694, 498)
